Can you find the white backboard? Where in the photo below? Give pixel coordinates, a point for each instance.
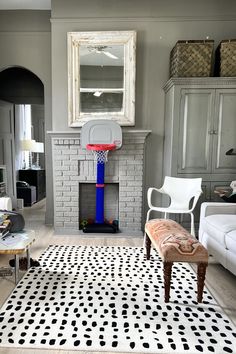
(101, 131)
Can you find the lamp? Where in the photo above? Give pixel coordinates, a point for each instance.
(38, 148)
(28, 145)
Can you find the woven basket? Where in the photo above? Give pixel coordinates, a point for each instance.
(225, 64)
(191, 58)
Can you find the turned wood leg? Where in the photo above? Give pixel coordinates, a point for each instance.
(167, 267)
(16, 268)
(201, 272)
(148, 246)
(28, 258)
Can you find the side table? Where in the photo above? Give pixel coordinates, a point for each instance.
(17, 244)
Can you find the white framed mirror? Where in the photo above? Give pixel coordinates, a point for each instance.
(101, 76)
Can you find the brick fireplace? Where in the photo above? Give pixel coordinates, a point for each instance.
(73, 166)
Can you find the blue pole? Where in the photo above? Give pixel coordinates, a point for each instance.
(100, 193)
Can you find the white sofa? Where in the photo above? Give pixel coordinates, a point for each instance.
(217, 232)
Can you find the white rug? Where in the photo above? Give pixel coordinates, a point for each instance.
(111, 299)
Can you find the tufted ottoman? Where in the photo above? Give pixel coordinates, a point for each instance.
(175, 244)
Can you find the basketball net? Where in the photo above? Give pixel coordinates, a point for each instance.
(100, 156)
(100, 151)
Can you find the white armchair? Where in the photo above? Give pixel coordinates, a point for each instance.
(181, 192)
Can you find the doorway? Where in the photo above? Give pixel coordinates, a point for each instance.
(22, 92)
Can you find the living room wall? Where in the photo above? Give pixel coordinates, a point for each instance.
(159, 25)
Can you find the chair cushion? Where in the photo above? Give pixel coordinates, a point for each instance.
(218, 225)
(230, 240)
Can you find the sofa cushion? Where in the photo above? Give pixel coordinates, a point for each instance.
(230, 240)
(218, 225)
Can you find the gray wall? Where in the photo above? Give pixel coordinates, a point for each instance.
(25, 40)
(159, 24)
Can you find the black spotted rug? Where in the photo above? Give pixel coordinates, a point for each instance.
(111, 299)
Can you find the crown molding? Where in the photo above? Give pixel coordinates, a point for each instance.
(145, 19)
(200, 81)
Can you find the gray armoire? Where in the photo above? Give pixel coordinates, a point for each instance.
(200, 127)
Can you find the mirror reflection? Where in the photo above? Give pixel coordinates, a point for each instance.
(101, 78)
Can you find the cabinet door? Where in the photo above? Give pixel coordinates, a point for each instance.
(196, 122)
(225, 131)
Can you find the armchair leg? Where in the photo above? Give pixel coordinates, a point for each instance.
(148, 214)
(192, 225)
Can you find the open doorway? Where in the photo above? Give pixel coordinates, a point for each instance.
(24, 91)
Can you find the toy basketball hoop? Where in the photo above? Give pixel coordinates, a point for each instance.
(100, 151)
(101, 136)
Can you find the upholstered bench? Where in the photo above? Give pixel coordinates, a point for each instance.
(175, 244)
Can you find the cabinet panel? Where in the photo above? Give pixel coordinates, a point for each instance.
(195, 124)
(225, 132)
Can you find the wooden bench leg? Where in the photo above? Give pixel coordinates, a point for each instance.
(167, 267)
(148, 246)
(201, 272)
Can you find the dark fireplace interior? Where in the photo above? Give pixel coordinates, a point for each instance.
(87, 203)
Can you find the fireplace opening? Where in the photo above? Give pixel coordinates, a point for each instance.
(87, 207)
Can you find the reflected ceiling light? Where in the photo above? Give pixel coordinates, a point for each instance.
(101, 50)
(97, 93)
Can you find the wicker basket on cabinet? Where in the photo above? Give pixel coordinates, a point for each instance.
(191, 58)
(225, 63)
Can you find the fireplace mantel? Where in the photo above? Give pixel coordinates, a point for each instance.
(73, 165)
(76, 134)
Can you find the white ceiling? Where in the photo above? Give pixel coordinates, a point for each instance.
(25, 4)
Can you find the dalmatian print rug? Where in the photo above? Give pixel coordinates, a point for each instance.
(111, 299)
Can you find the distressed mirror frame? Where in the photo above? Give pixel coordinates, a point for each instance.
(126, 117)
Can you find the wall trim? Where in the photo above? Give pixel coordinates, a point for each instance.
(144, 19)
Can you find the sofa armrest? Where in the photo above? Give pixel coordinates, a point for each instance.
(212, 208)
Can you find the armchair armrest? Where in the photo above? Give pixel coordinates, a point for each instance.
(195, 200)
(149, 195)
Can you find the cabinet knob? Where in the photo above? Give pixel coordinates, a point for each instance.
(213, 132)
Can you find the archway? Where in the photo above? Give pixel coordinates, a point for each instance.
(22, 92)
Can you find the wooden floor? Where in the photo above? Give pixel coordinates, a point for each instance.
(220, 282)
